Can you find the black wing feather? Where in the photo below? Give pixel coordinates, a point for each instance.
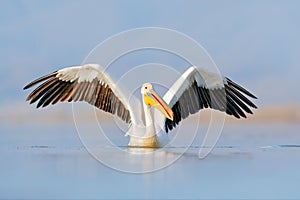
(227, 99)
(53, 90)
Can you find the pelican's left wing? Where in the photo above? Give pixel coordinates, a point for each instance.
(86, 83)
(197, 89)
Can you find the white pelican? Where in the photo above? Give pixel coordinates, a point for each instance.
(194, 90)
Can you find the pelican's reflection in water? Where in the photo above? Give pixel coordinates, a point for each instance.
(152, 159)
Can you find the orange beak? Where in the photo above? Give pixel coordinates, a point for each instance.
(152, 99)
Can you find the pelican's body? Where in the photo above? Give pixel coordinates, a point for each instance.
(193, 91)
(150, 137)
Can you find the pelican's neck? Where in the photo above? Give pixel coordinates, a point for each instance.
(150, 138)
(148, 120)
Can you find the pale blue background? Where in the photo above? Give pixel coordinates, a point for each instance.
(255, 43)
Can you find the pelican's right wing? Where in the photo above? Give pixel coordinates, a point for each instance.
(86, 83)
(197, 89)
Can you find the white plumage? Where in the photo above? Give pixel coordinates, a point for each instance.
(194, 90)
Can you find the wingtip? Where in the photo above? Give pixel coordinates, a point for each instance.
(239, 87)
(26, 87)
(43, 78)
(252, 95)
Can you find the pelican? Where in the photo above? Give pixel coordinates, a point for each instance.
(195, 90)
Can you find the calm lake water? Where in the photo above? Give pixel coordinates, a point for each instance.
(250, 161)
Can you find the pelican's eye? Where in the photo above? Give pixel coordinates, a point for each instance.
(146, 88)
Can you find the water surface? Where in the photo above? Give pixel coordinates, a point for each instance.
(250, 161)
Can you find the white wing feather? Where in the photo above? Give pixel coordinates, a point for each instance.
(83, 82)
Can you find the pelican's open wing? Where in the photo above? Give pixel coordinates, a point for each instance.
(81, 83)
(197, 89)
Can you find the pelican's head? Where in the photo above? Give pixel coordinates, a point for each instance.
(151, 98)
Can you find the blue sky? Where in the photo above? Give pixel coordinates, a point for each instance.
(256, 43)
